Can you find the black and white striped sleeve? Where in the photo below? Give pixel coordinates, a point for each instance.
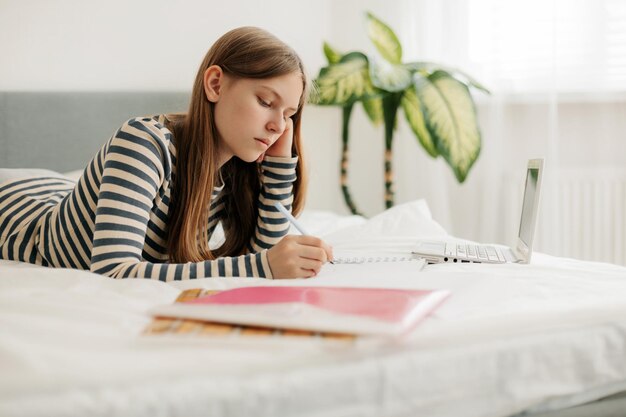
(135, 169)
(277, 186)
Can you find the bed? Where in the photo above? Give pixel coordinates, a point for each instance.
(511, 339)
(544, 339)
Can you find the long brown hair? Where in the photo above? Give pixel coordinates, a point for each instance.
(245, 52)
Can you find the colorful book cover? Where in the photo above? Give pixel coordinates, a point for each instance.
(183, 326)
(354, 311)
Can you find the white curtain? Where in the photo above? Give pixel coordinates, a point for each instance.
(557, 71)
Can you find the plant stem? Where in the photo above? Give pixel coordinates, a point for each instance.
(391, 102)
(347, 110)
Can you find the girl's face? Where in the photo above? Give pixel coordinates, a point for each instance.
(251, 114)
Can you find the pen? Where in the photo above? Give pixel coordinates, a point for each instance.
(293, 220)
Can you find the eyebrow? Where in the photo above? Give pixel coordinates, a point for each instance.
(267, 87)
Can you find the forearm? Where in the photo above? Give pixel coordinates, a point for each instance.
(250, 265)
(277, 186)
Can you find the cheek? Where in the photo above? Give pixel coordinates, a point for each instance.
(237, 119)
(218, 117)
(226, 129)
(248, 113)
(248, 109)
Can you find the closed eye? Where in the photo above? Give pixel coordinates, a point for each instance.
(263, 102)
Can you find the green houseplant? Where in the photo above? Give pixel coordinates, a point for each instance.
(436, 101)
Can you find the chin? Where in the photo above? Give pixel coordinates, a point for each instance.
(249, 158)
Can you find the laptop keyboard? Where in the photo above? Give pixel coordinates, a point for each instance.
(473, 252)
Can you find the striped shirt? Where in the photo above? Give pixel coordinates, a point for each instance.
(113, 221)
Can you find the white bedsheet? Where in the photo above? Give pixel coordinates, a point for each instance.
(510, 338)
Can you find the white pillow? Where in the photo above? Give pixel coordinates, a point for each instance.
(411, 220)
(322, 223)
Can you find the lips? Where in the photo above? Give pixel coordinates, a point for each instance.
(264, 141)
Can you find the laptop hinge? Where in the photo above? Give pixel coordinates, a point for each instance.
(511, 256)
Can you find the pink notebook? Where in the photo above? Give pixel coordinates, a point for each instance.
(367, 311)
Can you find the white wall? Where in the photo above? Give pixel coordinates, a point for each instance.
(137, 45)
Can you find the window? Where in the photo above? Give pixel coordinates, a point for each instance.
(569, 46)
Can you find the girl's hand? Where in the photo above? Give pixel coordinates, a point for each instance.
(297, 256)
(282, 146)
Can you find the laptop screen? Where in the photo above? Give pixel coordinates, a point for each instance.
(530, 191)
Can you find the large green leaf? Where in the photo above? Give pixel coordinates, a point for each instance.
(451, 120)
(331, 54)
(374, 110)
(390, 77)
(414, 115)
(461, 76)
(383, 38)
(345, 82)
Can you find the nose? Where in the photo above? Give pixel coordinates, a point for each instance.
(276, 124)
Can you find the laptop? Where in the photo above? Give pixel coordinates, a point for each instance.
(441, 252)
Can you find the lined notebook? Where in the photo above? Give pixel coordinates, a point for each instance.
(361, 259)
(357, 311)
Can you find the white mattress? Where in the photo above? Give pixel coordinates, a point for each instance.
(510, 338)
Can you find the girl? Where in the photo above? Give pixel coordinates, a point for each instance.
(149, 201)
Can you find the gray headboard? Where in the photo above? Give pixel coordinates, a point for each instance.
(62, 131)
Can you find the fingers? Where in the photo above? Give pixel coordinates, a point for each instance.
(316, 248)
(282, 146)
(298, 256)
(313, 253)
(308, 273)
(311, 264)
